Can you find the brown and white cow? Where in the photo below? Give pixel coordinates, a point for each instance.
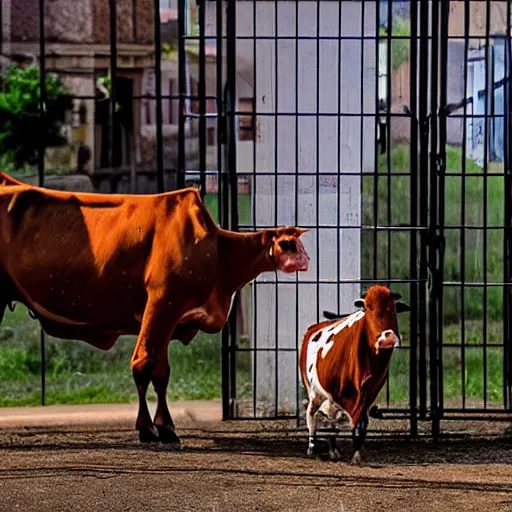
(93, 267)
(345, 362)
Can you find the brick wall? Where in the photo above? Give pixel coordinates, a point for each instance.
(24, 20)
(68, 22)
(145, 15)
(81, 21)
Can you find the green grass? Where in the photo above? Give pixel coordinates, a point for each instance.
(397, 266)
(80, 373)
(393, 252)
(452, 367)
(244, 207)
(399, 47)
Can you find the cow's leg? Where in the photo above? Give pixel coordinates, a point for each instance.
(358, 437)
(163, 420)
(314, 403)
(156, 329)
(334, 453)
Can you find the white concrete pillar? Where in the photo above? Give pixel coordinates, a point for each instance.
(277, 151)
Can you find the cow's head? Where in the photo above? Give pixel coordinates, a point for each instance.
(285, 250)
(381, 306)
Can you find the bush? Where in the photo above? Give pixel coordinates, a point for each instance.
(22, 127)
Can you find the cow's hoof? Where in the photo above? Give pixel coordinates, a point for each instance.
(334, 455)
(168, 436)
(311, 452)
(148, 435)
(356, 459)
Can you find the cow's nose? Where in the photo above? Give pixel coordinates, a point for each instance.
(387, 339)
(388, 336)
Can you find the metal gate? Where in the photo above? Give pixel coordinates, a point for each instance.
(383, 127)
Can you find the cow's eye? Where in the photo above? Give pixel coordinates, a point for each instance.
(287, 245)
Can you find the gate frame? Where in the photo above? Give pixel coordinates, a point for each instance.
(429, 112)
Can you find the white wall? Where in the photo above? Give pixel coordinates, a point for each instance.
(278, 93)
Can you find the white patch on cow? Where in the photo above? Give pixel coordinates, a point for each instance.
(323, 345)
(331, 413)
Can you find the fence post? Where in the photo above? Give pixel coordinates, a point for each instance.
(41, 154)
(436, 287)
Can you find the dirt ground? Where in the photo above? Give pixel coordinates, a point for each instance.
(224, 466)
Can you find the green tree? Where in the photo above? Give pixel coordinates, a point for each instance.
(21, 125)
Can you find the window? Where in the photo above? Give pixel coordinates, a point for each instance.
(246, 121)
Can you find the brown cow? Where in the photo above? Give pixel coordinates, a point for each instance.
(93, 267)
(344, 364)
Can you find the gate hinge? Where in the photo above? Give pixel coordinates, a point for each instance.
(223, 128)
(425, 126)
(440, 165)
(435, 242)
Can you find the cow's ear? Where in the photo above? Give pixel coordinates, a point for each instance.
(402, 307)
(300, 231)
(395, 296)
(292, 231)
(359, 303)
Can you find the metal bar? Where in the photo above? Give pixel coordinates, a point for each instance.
(231, 167)
(335, 38)
(392, 115)
(276, 203)
(477, 284)
(354, 281)
(254, 212)
(389, 103)
(376, 153)
(433, 255)
(220, 109)
(182, 88)
(485, 413)
(202, 98)
(40, 161)
(231, 110)
(317, 160)
(339, 182)
(296, 213)
(413, 191)
(443, 100)
(423, 205)
(113, 77)
(484, 192)
(343, 173)
(158, 91)
(463, 209)
(507, 256)
(222, 191)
